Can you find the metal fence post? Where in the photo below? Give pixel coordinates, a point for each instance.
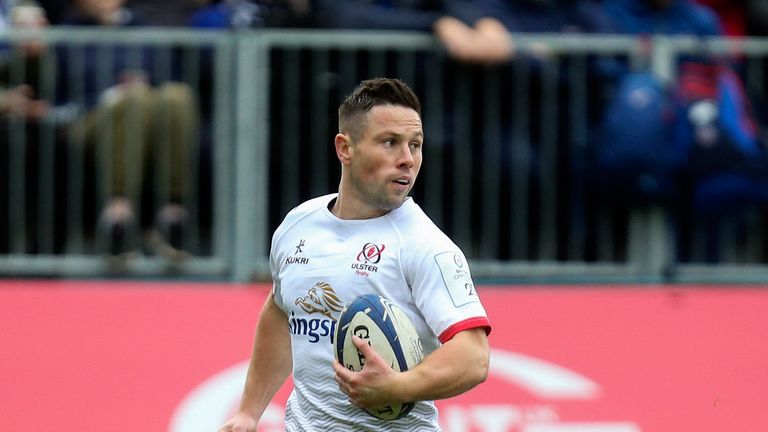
(251, 243)
(650, 246)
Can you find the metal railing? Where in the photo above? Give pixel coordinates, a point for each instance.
(506, 155)
(56, 188)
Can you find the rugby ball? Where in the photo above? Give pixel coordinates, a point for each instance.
(389, 331)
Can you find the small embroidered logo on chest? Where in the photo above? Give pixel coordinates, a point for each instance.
(367, 258)
(296, 258)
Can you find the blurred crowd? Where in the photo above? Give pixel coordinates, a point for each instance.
(702, 138)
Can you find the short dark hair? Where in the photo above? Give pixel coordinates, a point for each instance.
(370, 93)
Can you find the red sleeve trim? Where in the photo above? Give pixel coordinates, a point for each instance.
(467, 324)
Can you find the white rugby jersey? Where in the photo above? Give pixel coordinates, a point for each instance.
(319, 262)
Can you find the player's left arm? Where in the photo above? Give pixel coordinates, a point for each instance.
(458, 365)
(454, 368)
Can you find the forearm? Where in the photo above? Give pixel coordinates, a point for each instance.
(488, 42)
(457, 366)
(496, 40)
(270, 362)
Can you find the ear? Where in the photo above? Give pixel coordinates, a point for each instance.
(343, 145)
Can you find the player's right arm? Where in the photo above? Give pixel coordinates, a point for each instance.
(268, 369)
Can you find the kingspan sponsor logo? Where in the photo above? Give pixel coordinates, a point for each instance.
(320, 299)
(314, 328)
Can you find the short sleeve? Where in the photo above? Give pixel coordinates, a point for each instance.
(445, 293)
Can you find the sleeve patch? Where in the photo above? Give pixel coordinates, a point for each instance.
(456, 277)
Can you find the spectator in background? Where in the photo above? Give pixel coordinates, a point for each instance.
(644, 163)
(667, 17)
(576, 17)
(731, 15)
(239, 14)
(19, 99)
(740, 18)
(165, 13)
(25, 112)
(465, 31)
(133, 120)
(698, 130)
(471, 31)
(503, 19)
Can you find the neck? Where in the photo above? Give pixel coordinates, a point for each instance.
(344, 208)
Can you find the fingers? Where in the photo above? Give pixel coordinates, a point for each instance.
(340, 370)
(362, 346)
(356, 384)
(342, 379)
(374, 362)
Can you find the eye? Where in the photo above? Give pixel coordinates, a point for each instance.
(415, 145)
(389, 142)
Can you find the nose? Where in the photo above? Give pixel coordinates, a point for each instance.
(405, 159)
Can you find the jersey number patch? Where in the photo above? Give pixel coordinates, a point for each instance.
(458, 281)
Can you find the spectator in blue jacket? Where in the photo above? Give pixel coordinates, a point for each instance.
(644, 163)
(668, 17)
(697, 130)
(240, 14)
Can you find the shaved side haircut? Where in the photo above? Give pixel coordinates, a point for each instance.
(371, 93)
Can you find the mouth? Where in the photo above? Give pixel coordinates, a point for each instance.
(403, 183)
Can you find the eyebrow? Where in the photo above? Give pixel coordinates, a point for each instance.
(397, 134)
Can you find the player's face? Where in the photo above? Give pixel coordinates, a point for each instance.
(386, 159)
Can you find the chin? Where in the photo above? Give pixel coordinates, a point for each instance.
(398, 202)
(390, 204)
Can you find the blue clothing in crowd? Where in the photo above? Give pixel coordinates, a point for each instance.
(555, 16)
(704, 129)
(123, 59)
(416, 15)
(680, 17)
